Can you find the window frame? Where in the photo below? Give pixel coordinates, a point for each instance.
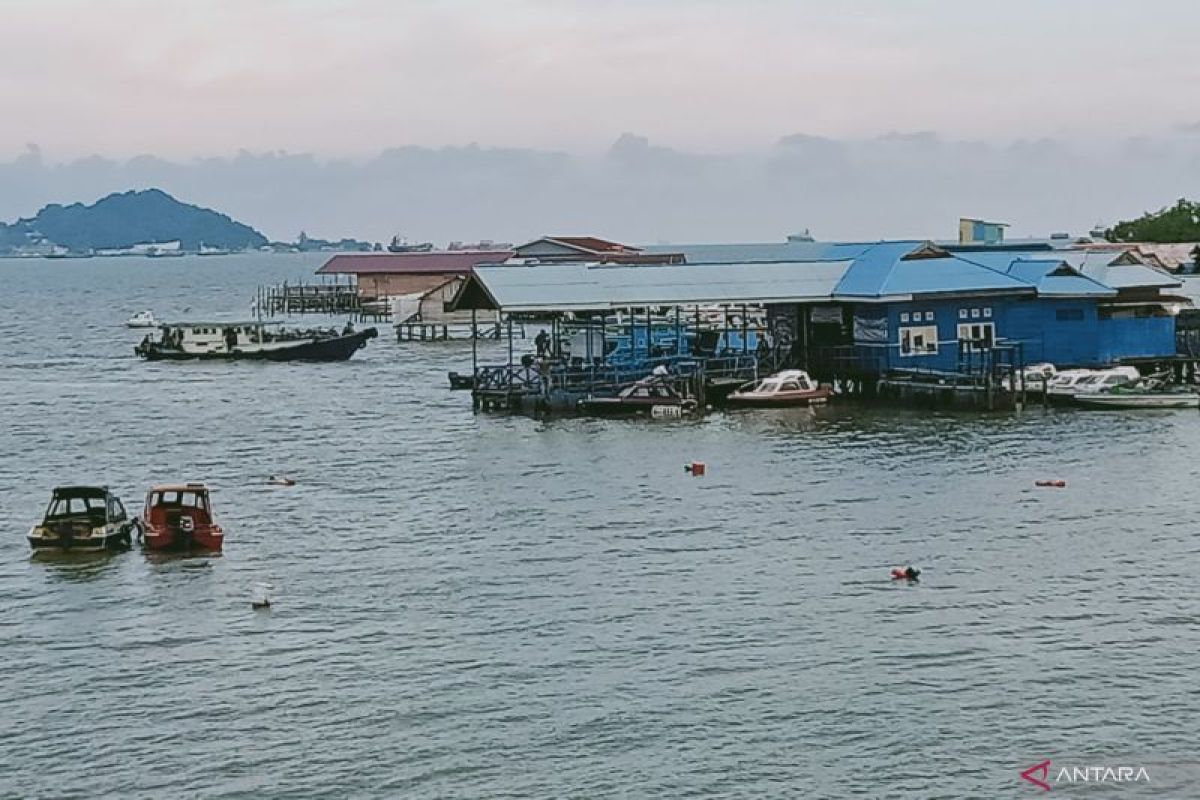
(930, 347)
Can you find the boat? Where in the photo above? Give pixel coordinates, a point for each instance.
(791, 387)
(652, 396)
(1134, 397)
(251, 341)
(1153, 391)
(458, 381)
(82, 518)
(179, 517)
(1068, 384)
(142, 319)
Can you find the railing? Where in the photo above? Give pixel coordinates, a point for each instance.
(541, 378)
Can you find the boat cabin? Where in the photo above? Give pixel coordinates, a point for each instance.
(84, 506)
(212, 337)
(790, 380)
(170, 505)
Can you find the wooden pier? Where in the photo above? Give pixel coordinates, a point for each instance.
(311, 298)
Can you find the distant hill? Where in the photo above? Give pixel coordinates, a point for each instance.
(127, 219)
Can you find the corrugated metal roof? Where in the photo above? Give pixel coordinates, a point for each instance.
(750, 253)
(448, 262)
(564, 287)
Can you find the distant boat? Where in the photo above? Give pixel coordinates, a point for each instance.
(399, 245)
(212, 251)
(142, 319)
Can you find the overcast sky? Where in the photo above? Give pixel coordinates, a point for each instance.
(351, 77)
(1095, 81)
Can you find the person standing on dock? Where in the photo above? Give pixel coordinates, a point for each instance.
(542, 343)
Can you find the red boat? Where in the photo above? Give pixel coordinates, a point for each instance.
(179, 517)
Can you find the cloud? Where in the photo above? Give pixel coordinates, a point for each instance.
(899, 184)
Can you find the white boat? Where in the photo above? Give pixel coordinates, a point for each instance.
(142, 319)
(1068, 385)
(792, 387)
(1037, 377)
(1139, 398)
(1153, 391)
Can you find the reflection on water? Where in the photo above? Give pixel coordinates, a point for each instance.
(476, 606)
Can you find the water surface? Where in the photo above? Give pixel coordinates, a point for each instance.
(496, 607)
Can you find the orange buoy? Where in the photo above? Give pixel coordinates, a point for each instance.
(696, 468)
(1053, 484)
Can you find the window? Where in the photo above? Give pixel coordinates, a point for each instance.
(962, 313)
(975, 313)
(976, 336)
(929, 316)
(1069, 314)
(904, 316)
(919, 341)
(987, 313)
(790, 386)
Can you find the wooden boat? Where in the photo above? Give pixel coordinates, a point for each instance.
(651, 396)
(791, 387)
(252, 341)
(179, 517)
(82, 518)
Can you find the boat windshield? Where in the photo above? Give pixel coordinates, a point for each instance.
(181, 499)
(61, 507)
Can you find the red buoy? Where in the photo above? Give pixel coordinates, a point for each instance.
(1053, 484)
(696, 468)
(905, 574)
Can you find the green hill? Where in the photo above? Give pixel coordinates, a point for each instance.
(129, 218)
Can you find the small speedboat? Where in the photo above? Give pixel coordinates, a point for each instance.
(1153, 391)
(792, 387)
(1123, 397)
(179, 517)
(82, 518)
(650, 396)
(1067, 386)
(142, 319)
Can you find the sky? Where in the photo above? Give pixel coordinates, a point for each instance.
(716, 94)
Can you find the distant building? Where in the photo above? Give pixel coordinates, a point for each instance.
(382, 275)
(578, 249)
(978, 231)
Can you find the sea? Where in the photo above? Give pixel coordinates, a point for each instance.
(493, 606)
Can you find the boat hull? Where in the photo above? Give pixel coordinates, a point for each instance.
(1149, 400)
(779, 399)
(603, 407)
(120, 540)
(339, 348)
(170, 539)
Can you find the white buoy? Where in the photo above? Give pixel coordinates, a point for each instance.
(260, 595)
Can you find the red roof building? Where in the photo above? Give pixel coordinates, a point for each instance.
(394, 274)
(590, 248)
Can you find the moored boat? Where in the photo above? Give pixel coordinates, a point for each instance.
(179, 517)
(650, 396)
(1128, 398)
(253, 341)
(791, 387)
(82, 518)
(1066, 386)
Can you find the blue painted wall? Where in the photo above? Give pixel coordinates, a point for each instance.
(1065, 332)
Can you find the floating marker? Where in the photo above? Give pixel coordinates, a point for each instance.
(260, 595)
(905, 574)
(1052, 484)
(280, 481)
(696, 468)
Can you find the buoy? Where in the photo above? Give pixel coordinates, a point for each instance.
(696, 468)
(905, 574)
(260, 596)
(280, 481)
(1054, 484)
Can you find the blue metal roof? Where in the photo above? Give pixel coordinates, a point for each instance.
(884, 271)
(565, 287)
(772, 251)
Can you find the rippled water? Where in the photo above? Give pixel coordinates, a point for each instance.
(480, 606)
